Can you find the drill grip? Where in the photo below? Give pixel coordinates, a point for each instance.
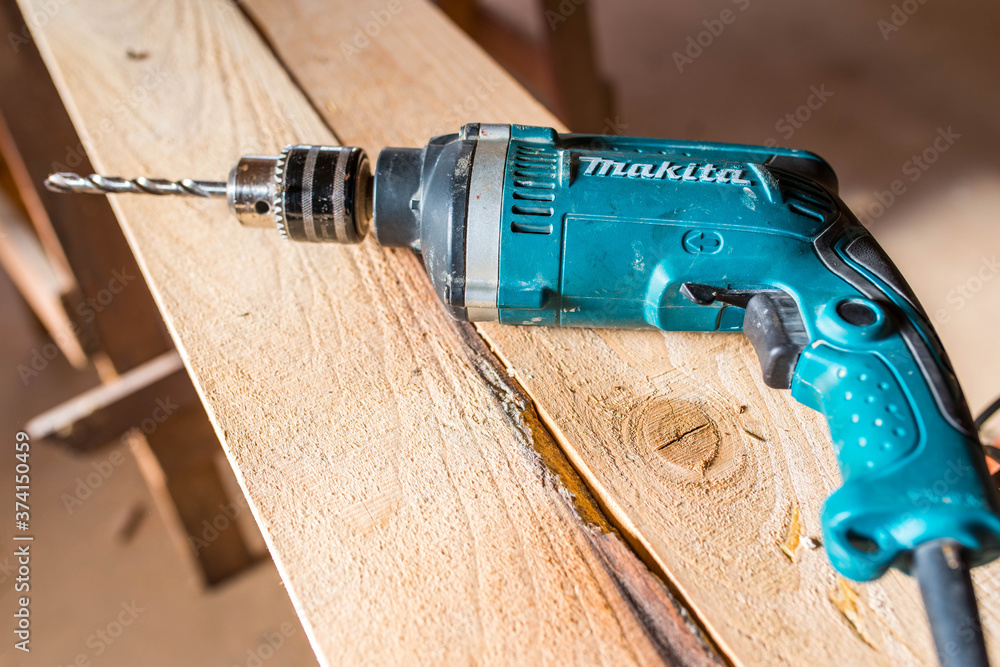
(910, 458)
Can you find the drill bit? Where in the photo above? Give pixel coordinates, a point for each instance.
(104, 185)
(309, 193)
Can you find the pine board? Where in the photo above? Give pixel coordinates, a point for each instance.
(715, 478)
(416, 509)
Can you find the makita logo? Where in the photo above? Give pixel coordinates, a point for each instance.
(708, 173)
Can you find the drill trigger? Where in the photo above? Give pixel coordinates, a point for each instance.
(772, 323)
(706, 295)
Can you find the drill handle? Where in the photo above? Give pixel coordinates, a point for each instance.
(909, 453)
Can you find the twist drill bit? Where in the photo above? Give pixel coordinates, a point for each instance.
(308, 193)
(103, 185)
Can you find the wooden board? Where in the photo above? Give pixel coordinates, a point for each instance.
(716, 478)
(110, 320)
(24, 259)
(103, 413)
(415, 507)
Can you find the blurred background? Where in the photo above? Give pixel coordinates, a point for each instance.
(139, 520)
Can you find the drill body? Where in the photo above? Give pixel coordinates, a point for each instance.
(525, 226)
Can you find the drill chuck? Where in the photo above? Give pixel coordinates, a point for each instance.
(310, 193)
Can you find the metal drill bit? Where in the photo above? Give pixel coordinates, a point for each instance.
(309, 193)
(104, 185)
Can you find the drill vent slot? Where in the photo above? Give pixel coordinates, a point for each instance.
(535, 176)
(534, 185)
(536, 166)
(803, 196)
(538, 159)
(534, 196)
(524, 227)
(532, 210)
(807, 211)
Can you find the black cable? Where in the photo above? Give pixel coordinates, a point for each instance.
(945, 584)
(987, 413)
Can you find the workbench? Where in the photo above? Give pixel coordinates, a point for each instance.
(434, 492)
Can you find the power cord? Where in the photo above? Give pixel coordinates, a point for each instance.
(987, 413)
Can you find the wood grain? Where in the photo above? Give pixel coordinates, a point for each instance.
(126, 330)
(400, 477)
(708, 472)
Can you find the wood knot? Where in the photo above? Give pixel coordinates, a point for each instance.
(683, 434)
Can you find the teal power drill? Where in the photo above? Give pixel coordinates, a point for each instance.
(522, 225)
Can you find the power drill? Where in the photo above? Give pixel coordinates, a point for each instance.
(523, 225)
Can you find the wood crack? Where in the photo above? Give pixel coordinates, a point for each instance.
(614, 540)
(683, 435)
